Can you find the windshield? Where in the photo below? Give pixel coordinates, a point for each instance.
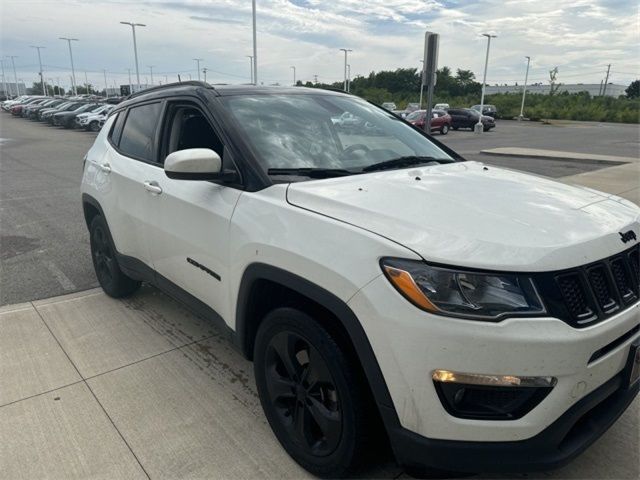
(325, 131)
(417, 115)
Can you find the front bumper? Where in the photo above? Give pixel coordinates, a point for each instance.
(410, 343)
(552, 448)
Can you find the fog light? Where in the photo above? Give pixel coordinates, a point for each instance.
(490, 397)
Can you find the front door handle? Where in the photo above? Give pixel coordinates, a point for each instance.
(152, 187)
(105, 167)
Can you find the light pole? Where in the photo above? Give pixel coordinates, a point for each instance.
(198, 60)
(130, 85)
(86, 82)
(255, 44)
(44, 92)
(151, 70)
(135, 47)
(524, 89)
(250, 57)
(345, 50)
(421, 83)
(73, 70)
(294, 75)
(348, 77)
(106, 87)
(4, 79)
(205, 70)
(479, 127)
(15, 75)
(58, 84)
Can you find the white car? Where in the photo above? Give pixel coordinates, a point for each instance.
(441, 106)
(483, 320)
(93, 120)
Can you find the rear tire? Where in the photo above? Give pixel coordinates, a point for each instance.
(311, 394)
(455, 128)
(112, 280)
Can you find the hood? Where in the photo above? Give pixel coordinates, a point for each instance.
(466, 214)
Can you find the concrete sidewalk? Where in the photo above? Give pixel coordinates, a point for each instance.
(96, 387)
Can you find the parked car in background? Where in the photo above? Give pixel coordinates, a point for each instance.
(488, 110)
(412, 107)
(67, 119)
(47, 115)
(441, 106)
(16, 107)
(440, 121)
(31, 111)
(91, 120)
(467, 118)
(389, 106)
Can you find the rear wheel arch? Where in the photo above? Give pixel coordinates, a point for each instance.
(265, 287)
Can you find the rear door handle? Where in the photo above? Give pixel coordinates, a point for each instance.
(152, 187)
(105, 167)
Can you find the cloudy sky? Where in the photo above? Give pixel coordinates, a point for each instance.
(579, 36)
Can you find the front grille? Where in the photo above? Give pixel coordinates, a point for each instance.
(591, 293)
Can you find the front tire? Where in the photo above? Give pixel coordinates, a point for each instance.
(112, 280)
(444, 129)
(94, 126)
(311, 394)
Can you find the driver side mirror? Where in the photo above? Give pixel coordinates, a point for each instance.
(196, 164)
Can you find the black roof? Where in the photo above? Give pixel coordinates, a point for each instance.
(219, 90)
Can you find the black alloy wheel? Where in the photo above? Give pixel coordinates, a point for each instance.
(314, 395)
(303, 393)
(112, 280)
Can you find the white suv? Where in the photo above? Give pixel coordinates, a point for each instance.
(480, 319)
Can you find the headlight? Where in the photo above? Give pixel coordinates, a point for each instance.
(460, 293)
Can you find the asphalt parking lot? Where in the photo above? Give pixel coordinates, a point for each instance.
(94, 387)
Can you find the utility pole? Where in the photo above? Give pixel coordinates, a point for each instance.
(348, 78)
(135, 46)
(205, 70)
(479, 127)
(345, 50)
(255, 44)
(524, 89)
(44, 92)
(86, 81)
(315, 79)
(58, 84)
(15, 75)
(606, 80)
(198, 60)
(73, 70)
(106, 87)
(600, 89)
(250, 57)
(151, 70)
(294, 75)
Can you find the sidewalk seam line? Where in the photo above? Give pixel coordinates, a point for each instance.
(92, 392)
(41, 393)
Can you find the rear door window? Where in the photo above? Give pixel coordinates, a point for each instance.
(138, 135)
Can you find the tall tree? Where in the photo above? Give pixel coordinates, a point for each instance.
(633, 90)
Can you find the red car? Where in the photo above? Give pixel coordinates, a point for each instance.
(441, 121)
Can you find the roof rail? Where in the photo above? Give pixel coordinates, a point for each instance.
(193, 83)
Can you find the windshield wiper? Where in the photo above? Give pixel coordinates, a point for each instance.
(402, 162)
(311, 172)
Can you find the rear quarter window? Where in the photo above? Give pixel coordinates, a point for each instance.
(138, 134)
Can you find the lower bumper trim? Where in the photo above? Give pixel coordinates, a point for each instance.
(552, 448)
